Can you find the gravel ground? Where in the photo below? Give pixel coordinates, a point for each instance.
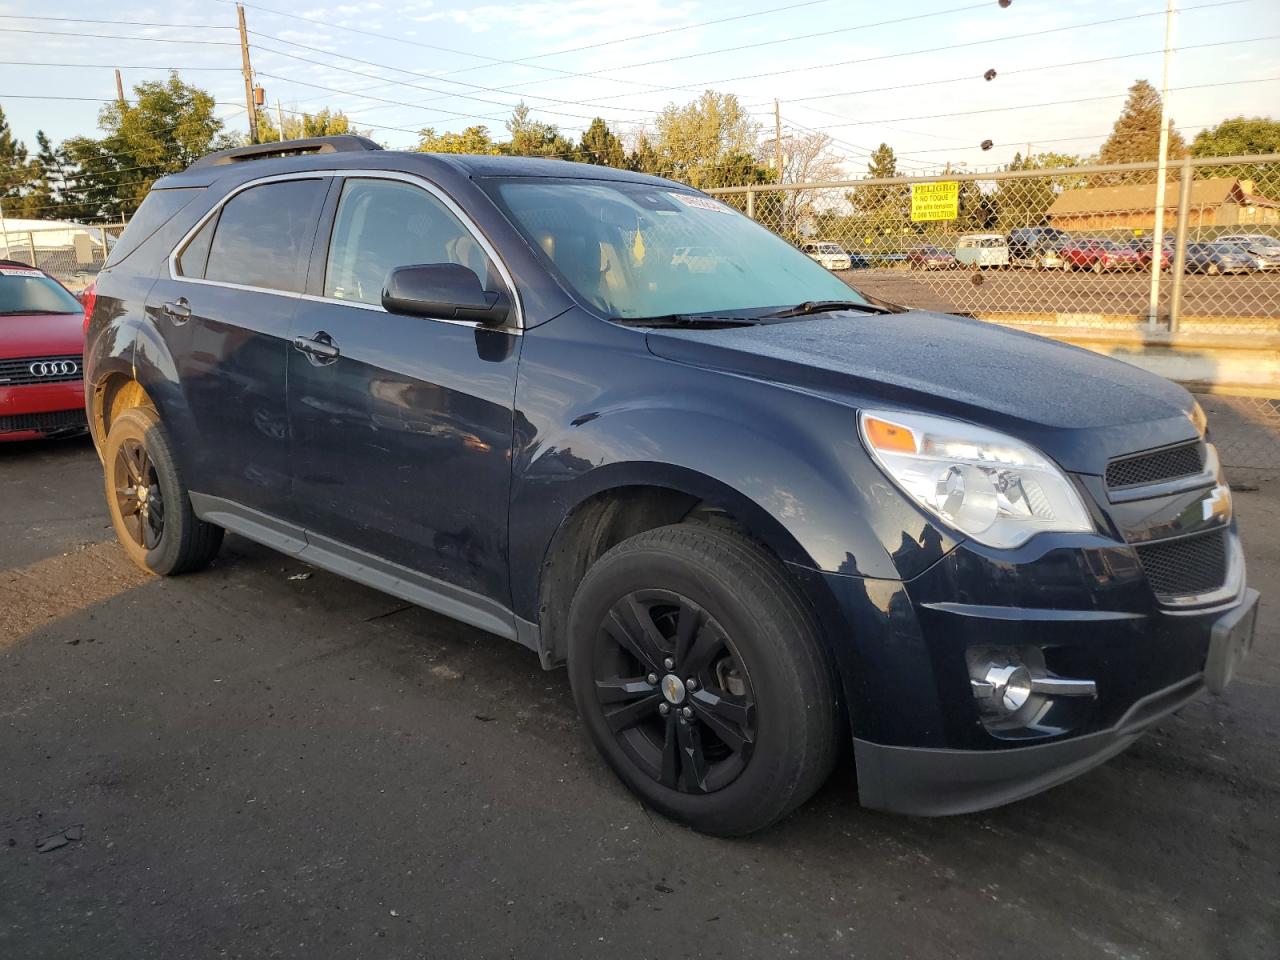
(241, 763)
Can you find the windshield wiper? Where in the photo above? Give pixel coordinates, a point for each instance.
(35, 313)
(686, 320)
(824, 306)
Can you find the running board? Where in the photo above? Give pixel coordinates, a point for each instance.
(372, 571)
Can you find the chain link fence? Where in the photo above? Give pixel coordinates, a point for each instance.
(71, 253)
(1072, 253)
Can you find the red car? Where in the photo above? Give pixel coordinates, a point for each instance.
(932, 258)
(41, 348)
(1100, 255)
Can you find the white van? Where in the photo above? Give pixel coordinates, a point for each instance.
(830, 255)
(982, 250)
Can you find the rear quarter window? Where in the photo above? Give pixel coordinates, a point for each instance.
(159, 207)
(263, 236)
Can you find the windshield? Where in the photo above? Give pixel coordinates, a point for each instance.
(24, 290)
(624, 248)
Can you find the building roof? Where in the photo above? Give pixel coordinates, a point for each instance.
(1142, 196)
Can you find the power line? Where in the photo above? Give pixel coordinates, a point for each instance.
(1047, 103)
(116, 23)
(940, 49)
(416, 86)
(655, 33)
(114, 36)
(1021, 70)
(107, 66)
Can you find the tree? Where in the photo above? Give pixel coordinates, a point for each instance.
(1238, 136)
(41, 201)
(805, 159)
(882, 164)
(696, 143)
(534, 138)
(1136, 134)
(15, 168)
(1025, 202)
(298, 126)
(471, 140)
(601, 145)
(169, 126)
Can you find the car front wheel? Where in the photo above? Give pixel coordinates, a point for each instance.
(700, 676)
(148, 500)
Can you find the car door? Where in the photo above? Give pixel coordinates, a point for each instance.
(402, 425)
(224, 312)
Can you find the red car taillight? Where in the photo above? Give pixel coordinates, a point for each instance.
(88, 298)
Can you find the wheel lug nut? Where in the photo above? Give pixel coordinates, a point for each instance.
(687, 712)
(663, 709)
(668, 663)
(651, 679)
(691, 683)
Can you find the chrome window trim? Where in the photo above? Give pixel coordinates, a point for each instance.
(355, 174)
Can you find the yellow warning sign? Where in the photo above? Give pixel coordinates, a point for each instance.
(935, 201)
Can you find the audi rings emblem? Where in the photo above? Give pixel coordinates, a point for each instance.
(54, 368)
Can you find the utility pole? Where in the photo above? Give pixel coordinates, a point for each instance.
(280, 120)
(247, 69)
(119, 87)
(1162, 164)
(777, 138)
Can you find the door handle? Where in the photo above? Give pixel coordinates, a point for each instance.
(319, 348)
(179, 311)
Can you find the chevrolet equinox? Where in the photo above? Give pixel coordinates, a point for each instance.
(762, 518)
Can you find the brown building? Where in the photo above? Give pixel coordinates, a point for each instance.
(1223, 201)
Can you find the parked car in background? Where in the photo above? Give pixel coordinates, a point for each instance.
(1100, 255)
(830, 255)
(982, 250)
(1143, 246)
(41, 342)
(1037, 247)
(697, 259)
(1217, 258)
(930, 257)
(1265, 250)
(766, 522)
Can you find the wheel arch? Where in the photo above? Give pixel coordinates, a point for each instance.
(619, 506)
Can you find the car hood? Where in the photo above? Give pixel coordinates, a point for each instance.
(1079, 407)
(41, 335)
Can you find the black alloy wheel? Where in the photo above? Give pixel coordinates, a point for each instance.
(138, 496)
(674, 691)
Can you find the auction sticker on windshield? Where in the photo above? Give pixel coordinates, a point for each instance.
(19, 272)
(702, 203)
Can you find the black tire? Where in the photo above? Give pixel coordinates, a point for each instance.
(753, 653)
(153, 519)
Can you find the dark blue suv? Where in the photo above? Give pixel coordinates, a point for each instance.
(761, 517)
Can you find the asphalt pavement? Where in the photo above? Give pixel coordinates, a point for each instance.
(262, 760)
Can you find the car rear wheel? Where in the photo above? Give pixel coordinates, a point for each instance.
(1097, 266)
(1212, 270)
(700, 676)
(148, 499)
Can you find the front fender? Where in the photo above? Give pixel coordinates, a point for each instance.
(786, 463)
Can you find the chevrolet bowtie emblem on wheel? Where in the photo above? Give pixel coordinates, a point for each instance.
(53, 368)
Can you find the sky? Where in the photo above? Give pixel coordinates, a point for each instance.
(907, 74)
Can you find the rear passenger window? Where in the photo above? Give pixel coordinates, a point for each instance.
(195, 255)
(384, 224)
(263, 235)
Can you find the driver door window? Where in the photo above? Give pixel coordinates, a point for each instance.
(384, 224)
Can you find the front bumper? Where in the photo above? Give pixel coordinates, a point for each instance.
(921, 742)
(932, 783)
(31, 411)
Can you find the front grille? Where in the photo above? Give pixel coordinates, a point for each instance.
(1184, 460)
(1191, 565)
(22, 370)
(44, 422)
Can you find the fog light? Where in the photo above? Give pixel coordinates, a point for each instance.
(1010, 687)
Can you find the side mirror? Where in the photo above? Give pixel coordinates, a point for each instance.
(445, 291)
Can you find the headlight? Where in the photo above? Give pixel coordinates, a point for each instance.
(988, 486)
(1198, 419)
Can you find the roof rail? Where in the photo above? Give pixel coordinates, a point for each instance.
(343, 143)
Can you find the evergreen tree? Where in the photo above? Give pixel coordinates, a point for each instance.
(534, 138)
(42, 200)
(601, 145)
(15, 168)
(1136, 134)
